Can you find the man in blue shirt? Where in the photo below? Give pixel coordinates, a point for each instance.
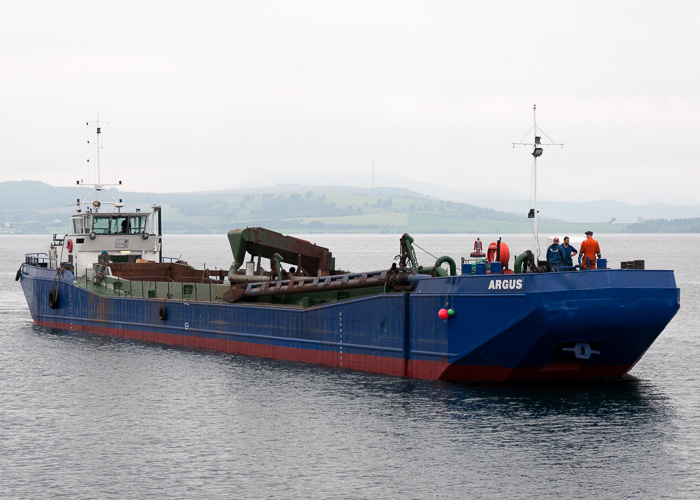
(555, 256)
(569, 251)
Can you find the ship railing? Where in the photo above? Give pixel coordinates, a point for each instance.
(171, 260)
(107, 284)
(40, 259)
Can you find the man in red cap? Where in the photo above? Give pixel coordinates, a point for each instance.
(589, 250)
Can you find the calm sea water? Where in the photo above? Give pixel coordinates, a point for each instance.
(92, 417)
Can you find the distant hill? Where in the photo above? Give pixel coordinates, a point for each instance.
(665, 226)
(36, 207)
(599, 210)
(588, 211)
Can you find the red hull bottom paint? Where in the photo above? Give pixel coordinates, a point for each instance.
(430, 370)
(480, 373)
(362, 362)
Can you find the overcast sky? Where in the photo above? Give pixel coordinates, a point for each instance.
(215, 95)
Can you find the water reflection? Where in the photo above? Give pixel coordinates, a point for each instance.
(266, 421)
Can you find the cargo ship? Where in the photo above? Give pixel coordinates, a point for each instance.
(283, 298)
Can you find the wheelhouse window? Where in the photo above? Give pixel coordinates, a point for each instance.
(138, 223)
(101, 225)
(119, 224)
(77, 225)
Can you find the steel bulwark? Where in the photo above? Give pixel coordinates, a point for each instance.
(532, 326)
(366, 333)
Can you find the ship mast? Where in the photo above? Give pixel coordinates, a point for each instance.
(98, 186)
(537, 150)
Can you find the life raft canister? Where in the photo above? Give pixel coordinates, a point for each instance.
(69, 245)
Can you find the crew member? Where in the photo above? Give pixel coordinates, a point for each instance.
(555, 256)
(569, 251)
(589, 250)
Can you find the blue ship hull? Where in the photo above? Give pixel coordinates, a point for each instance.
(577, 324)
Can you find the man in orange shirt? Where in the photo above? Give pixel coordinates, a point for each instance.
(589, 250)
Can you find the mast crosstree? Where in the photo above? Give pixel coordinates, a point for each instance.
(538, 148)
(97, 186)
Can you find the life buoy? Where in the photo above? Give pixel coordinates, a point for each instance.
(505, 253)
(163, 313)
(69, 245)
(53, 298)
